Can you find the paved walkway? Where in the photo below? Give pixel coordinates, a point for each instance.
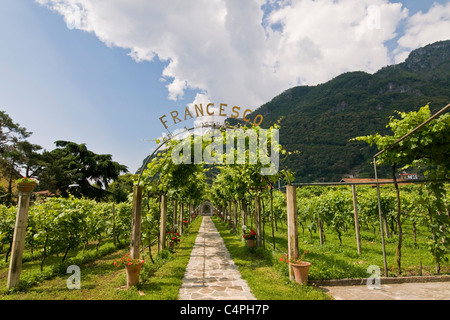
(399, 291)
(211, 274)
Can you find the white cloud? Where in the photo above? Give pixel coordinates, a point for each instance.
(232, 51)
(321, 39)
(423, 29)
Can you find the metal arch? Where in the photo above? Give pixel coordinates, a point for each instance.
(170, 137)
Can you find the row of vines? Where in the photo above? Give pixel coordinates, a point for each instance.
(326, 210)
(323, 210)
(57, 225)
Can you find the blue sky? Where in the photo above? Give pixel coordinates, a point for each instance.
(103, 72)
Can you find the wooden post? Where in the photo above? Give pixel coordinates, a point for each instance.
(163, 222)
(114, 223)
(234, 216)
(258, 221)
(15, 264)
(380, 216)
(243, 215)
(175, 213)
(272, 219)
(320, 224)
(230, 210)
(244, 212)
(180, 224)
(291, 201)
(136, 220)
(355, 210)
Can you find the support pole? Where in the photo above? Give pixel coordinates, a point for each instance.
(136, 220)
(272, 219)
(234, 216)
(15, 264)
(163, 222)
(180, 224)
(355, 211)
(114, 223)
(258, 222)
(243, 215)
(380, 215)
(175, 213)
(291, 201)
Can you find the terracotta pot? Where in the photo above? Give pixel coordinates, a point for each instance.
(133, 274)
(171, 244)
(26, 186)
(251, 243)
(301, 271)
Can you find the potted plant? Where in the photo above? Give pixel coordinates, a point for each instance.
(26, 184)
(251, 238)
(173, 238)
(300, 269)
(132, 267)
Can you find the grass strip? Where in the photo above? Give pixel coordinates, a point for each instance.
(261, 270)
(164, 281)
(101, 280)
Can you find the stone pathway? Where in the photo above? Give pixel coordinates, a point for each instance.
(211, 274)
(403, 291)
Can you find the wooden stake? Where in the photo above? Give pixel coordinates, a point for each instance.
(163, 222)
(20, 229)
(234, 216)
(258, 221)
(291, 201)
(355, 211)
(136, 221)
(114, 223)
(180, 224)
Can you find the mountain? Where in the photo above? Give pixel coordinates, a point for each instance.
(319, 120)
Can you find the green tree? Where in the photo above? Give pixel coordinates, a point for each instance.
(16, 153)
(121, 188)
(72, 164)
(428, 147)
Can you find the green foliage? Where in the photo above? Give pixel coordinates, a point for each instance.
(427, 147)
(320, 120)
(16, 154)
(121, 188)
(57, 225)
(177, 180)
(73, 166)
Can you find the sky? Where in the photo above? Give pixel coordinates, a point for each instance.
(103, 72)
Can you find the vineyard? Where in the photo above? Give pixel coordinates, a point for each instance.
(326, 226)
(337, 227)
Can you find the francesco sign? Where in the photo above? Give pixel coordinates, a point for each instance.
(209, 110)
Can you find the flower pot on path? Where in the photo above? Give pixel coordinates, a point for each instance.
(301, 271)
(133, 272)
(251, 243)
